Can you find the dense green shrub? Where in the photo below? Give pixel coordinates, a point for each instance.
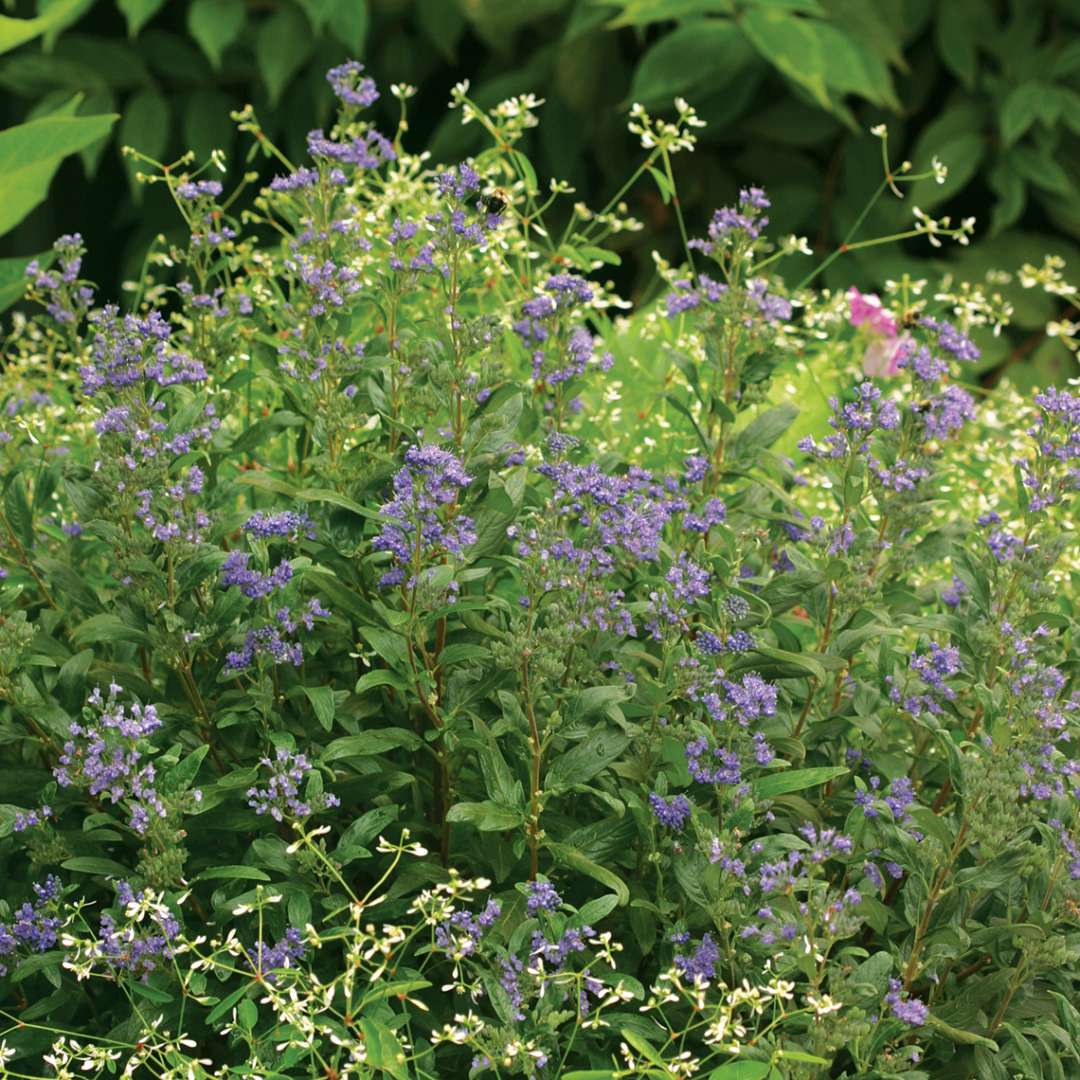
(415, 663)
(786, 87)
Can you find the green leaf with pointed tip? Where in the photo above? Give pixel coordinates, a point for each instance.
(31, 153)
(792, 45)
(782, 783)
(16, 32)
(138, 13)
(215, 25)
(282, 46)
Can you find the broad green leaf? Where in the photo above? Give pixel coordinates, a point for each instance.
(215, 25)
(584, 761)
(233, 873)
(486, 816)
(89, 864)
(741, 1070)
(108, 627)
(31, 153)
(765, 429)
(138, 13)
(384, 1051)
(1021, 109)
(15, 32)
(282, 46)
(782, 783)
(349, 23)
(643, 12)
(792, 45)
(322, 701)
(959, 1035)
(367, 743)
(226, 1004)
(565, 853)
(956, 34)
(706, 54)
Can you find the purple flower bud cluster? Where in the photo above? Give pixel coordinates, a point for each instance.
(424, 523)
(290, 524)
(460, 934)
(933, 668)
(406, 255)
(285, 953)
(854, 422)
(687, 295)
(950, 339)
(560, 351)
(910, 1010)
(198, 189)
(236, 571)
(326, 285)
(736, 225)
(947, 413)
(541, 896)
(700, 965)
(132, 946)
(351, 86)
(133, 351)
(66, 298)
(280, 797)
(773, 308)
(272, 640)
(366, 150)
(34, 926)
(554, 954)
(102, 755)
(30, 818)
(672, 813)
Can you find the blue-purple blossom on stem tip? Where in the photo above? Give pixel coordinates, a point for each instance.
(701, 963)
(35, 925)
(910, 1010)
(672, 813)
(102, 754)
(541, 896)
(950, 339)
(424, 522)
(287, 523)
(351, 86)
(281, 797)
(138, 945)
(30, 818)
(285, 953)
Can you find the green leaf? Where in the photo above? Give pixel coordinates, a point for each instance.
(1021, 110)
(764, 430)
(31, 153)
(741, 1070)
(704, 54)
(215, 25)
(379, 677)
(225, 1005)
(486, 816)
(368, 743)
(956, 33)
(15, 32)
(138, 13)
(88, 864)
(783, 783)
(233, 873)
(349, 24)
(108, 628)
(587, 759)
(384, 1051)
(282, 46)
(573, 858)
(643, 12)
(322, 701)
(792, 45)
(958, 1034)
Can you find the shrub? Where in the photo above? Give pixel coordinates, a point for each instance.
(412, 665)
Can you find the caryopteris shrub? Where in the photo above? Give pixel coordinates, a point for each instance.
(413, 665)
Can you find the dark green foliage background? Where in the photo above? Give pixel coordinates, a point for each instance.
(789, 89)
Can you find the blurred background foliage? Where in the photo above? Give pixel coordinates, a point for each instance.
(789, 89)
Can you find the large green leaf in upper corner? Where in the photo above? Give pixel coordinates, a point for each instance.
(16, 32)
(31, 153)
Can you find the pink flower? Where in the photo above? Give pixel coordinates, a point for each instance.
(886, 346)
(867, 310)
